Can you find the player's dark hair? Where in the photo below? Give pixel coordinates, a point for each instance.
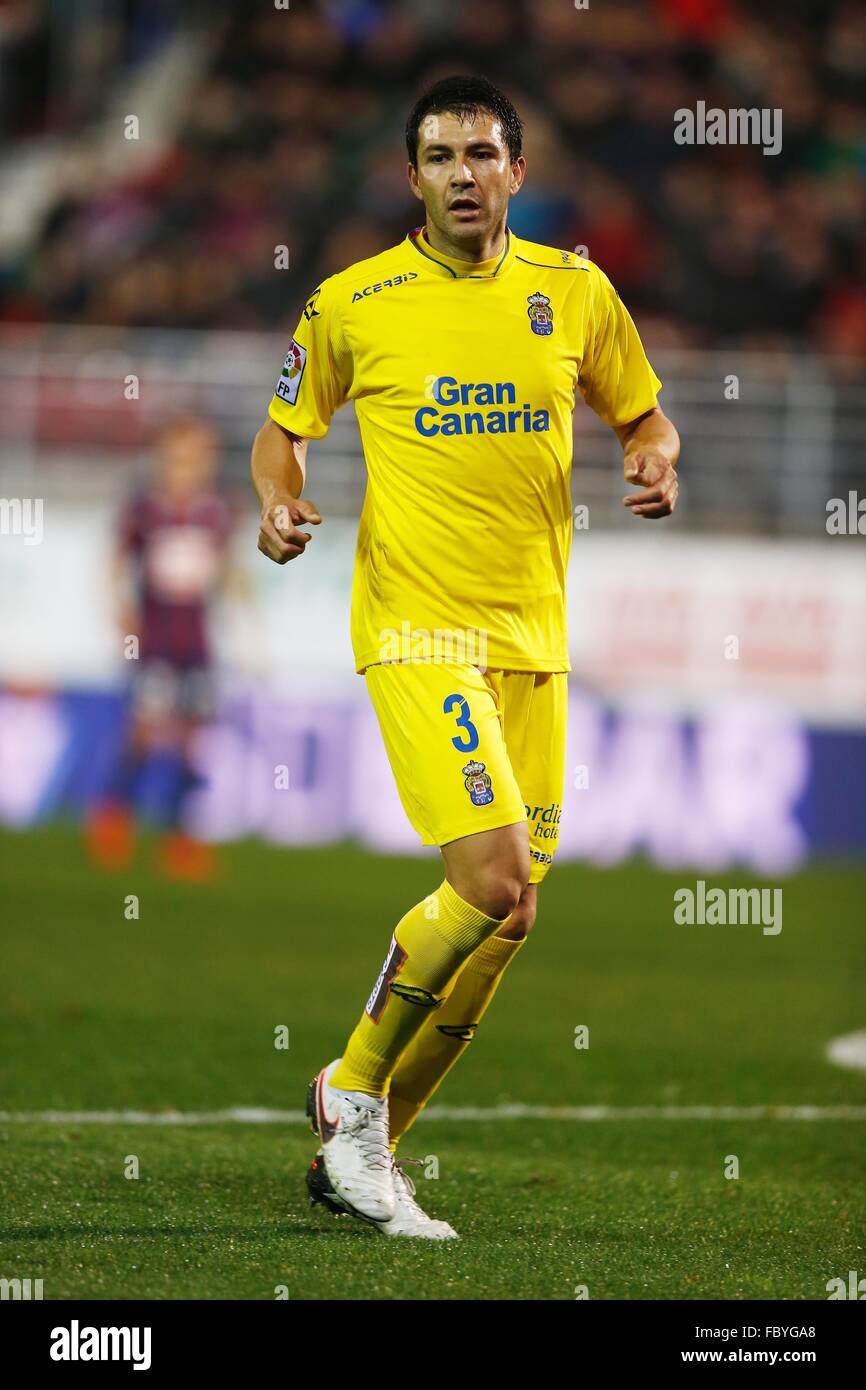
(465, 97)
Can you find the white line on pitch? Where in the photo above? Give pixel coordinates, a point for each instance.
(251, 1115)
(849, 1051)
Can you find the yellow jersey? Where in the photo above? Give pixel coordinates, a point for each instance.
(464, 378)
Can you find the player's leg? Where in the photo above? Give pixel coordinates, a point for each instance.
(446, 1036)
(442, 730)
(110, 825)
(535, 711)
(430, 944)
(493, 864)
(179, 854)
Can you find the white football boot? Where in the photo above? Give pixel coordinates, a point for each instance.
(408, 1218)
(353, 1129)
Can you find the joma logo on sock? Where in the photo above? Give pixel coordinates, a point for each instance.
(413, 994)
(77, 1343)
(465, 1032)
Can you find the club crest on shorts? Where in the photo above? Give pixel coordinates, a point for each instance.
(478, 784)
(540, 314)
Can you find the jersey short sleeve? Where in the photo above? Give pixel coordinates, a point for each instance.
(317, 373)
(615, 376)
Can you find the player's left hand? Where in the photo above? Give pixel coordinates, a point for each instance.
(654, 472)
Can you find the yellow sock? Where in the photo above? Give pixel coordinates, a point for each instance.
(428, 948)
(443, 1039)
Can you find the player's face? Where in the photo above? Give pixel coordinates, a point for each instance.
(187, 461)
(465, 177)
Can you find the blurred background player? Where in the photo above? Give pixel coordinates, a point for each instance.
(169, 565)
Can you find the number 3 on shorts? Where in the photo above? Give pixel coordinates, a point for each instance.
(470, 743)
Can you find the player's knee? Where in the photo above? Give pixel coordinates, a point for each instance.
(521, 921)
(500, 888)
(494, 878)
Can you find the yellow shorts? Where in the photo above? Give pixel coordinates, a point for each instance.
(473, 750)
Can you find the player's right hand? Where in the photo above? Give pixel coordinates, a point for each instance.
(279, 537)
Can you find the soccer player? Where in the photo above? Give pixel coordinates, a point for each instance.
(170, 563)
(463, 349)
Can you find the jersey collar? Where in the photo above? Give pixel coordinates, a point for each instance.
(454, 269)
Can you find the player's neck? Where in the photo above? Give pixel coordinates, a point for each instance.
(488, 250)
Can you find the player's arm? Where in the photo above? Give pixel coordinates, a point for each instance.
(278, 468)
(650, 447)
(618, 383)
(314, 383)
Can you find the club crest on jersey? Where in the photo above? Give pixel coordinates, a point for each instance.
(540, 314)
(293, 370)
(478, 784)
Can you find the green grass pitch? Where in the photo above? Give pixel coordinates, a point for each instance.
(177, 1010)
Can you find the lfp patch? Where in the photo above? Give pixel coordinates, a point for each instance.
(540, 314)
(478, 784)
(293, 369)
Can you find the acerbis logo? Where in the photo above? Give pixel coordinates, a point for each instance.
(448, 391)
(385, 285)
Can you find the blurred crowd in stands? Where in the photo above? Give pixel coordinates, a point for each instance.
(293, 135)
